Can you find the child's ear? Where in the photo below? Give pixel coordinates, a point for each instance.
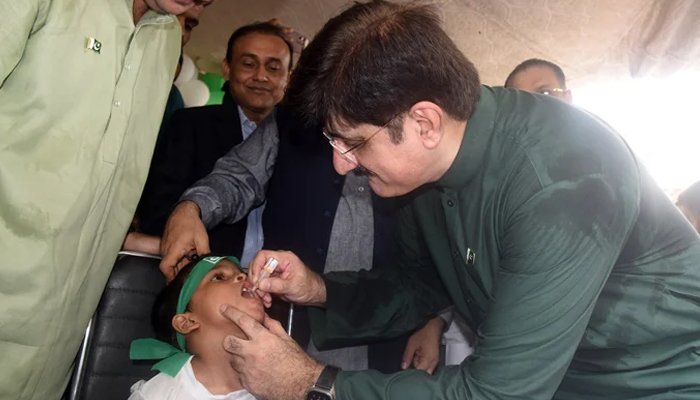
(185, 323)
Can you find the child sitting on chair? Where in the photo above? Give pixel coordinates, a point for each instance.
(191, 330)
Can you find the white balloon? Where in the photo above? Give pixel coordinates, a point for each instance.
(195, 93)
(187, 73)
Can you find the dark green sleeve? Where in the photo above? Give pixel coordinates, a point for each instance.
(557, 249)
(384, 302)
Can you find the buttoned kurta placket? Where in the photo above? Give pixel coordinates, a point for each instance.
(469, 297)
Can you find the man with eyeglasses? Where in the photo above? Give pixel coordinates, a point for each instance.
(580, 277)
(539, 76)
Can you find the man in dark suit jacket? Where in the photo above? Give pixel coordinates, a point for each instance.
(257, 66)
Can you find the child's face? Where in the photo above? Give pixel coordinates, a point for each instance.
(223, 285)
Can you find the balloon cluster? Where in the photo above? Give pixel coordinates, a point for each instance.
(198, 89)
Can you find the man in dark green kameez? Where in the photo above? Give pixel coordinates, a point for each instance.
(533, 217)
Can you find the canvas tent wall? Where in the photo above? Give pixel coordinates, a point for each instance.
(590, 39)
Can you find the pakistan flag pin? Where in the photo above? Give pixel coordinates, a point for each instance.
(93, 44)
(471, 257)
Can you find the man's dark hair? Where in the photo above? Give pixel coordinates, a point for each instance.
(258, 27)
(376, 60)
(536, 62)
(165, 306)
(690, 199)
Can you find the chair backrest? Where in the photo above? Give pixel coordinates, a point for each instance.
(103, 369)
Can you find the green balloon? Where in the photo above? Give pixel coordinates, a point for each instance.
(214, 82)
(215, 98)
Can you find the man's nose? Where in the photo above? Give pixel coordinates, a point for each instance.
(261, 74)
(342, 165)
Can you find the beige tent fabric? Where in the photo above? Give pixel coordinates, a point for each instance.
(593, 40)
(667, 39)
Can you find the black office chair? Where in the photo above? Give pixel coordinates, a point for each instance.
(103, 370)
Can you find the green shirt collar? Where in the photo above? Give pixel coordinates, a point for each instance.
(476, 136)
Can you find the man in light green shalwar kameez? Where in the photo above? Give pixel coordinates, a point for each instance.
(83, 85)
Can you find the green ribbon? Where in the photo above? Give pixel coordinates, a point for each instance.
(173, 359)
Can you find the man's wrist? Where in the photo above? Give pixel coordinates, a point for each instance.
(323, 386)
(190, 207)
(439, 324)
(312, 377)
(320, 297)
(318, 368)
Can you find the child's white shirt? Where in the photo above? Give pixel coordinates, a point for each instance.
(184, 386)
